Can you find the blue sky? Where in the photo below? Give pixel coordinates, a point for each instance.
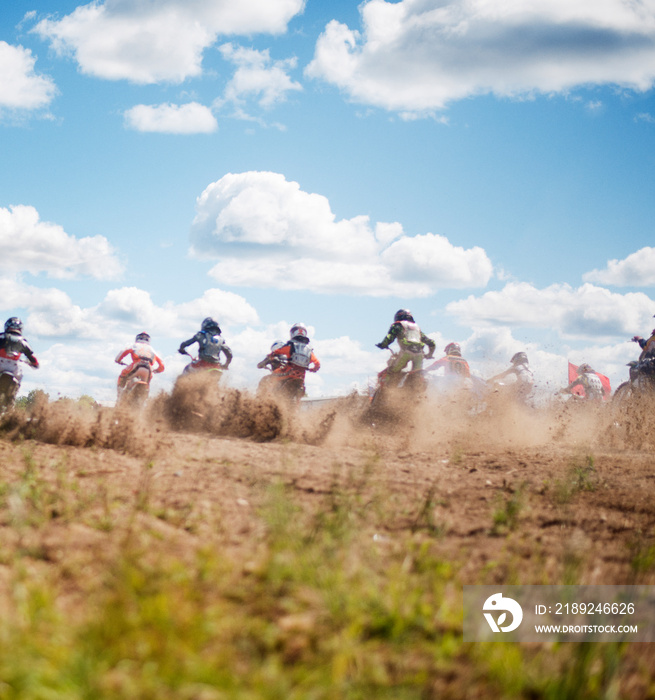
(488, 165)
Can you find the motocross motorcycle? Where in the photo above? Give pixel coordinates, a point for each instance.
(395, 392)
(137, 386)
(287, 387)
(215, 371)
(10, 379)
(640, 383)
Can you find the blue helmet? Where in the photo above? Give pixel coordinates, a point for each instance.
(211, 325)
(14, 325)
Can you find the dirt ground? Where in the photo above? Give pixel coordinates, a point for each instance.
(569, 490)
(564, 494)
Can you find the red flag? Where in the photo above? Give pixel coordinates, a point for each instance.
(574, 374)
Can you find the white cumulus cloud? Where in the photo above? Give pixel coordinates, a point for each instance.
(150, 42)
(51, 312)
(30, 245)
(637, 270)
(190, 118)
(20, 86)
(258, 77)
(420, 55)
(267, 232)
(584, 312)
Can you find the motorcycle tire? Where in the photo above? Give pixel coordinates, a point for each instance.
(292, 389)
(622, 394)
(8, 390)
(134, 396)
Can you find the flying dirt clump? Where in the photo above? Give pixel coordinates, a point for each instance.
(68, 422)
(199, 403)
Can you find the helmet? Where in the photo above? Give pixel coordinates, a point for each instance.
(298, 330)
(14, 325)
(519, 358)
(143, 338)
(403, 315)
(585, 369)
(453, 349)
(277, 345)
(210, 325)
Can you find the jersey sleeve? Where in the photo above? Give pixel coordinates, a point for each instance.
(29, 353)
(121, 355)
(185, 344)
(391, 335)
(428, 341)
(436, 365)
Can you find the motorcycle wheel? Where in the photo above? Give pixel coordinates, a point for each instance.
(8, 391)
(134, 396)
(622, 394)
(292, 389)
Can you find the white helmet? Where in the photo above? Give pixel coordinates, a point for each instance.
(298, 330)
(277, 345)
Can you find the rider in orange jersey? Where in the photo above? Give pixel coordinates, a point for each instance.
(453, 363)
(296, 355)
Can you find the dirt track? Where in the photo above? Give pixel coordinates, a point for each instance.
(557, 491)
(505, 496)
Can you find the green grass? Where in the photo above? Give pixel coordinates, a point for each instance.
(314, 607)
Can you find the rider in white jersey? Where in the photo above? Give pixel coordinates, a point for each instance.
(589, 381)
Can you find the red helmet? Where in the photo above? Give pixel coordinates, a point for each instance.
(453, 349)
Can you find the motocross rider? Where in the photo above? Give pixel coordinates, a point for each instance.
(589, 381)
(210, 347)
(293, 358)
(12, 346)
(140, 352)
(524, 377)
(273, 361)
(411, 341)
(647, 346)
(453, 363)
